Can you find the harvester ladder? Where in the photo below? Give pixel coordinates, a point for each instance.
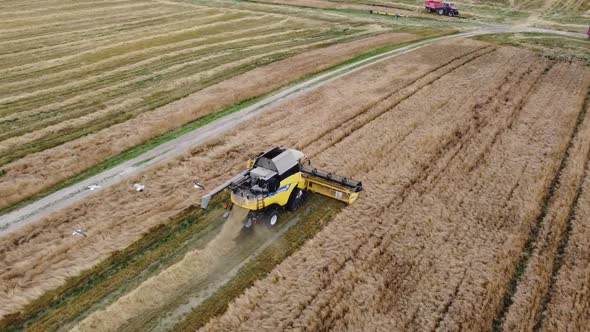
(259, 202)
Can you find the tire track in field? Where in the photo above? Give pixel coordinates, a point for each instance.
(565, 235)
(374, 110)
(521, 104)
(499, 129)
(531, 242)
(450, 300)
(445, 70)
(411, 282)
(460, 146)
(531, 138)
(510, 98)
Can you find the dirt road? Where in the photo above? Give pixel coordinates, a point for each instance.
(180, 145)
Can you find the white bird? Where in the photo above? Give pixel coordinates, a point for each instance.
(79, 232)
(93, 187)
(197, 185)
(139, 187)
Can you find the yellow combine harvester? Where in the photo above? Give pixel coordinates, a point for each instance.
(278, 179)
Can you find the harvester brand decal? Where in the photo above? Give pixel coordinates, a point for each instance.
(280, 190)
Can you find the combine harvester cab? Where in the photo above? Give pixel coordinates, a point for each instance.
(442, 8)
(277, 180)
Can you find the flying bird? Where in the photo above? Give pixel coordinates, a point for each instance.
(197, 185)
(79, 232)
(139, 187)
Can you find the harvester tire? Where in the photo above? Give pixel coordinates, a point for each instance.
(273, 218)
(295, 200)
(441, 12)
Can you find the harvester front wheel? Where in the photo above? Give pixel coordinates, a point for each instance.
(273, 218)
(295, 200)
(441, 12)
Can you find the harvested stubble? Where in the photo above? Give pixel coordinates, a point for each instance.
(533, 290)
(96, 77)
(29, 272)
(39, 171)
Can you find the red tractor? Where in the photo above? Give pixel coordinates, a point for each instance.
(442, 8)
(588, 32)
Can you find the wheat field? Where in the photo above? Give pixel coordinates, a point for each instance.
(472, 173)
